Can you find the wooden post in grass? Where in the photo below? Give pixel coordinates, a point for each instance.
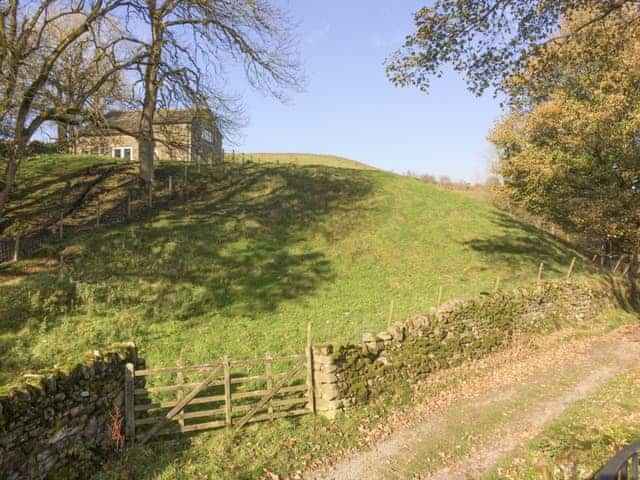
(390, 319)
(180, 393)
(615, 269)
(61, 226)
(227, 391)
(540, 272)
(268, 371)
(16, 248)
(573, 264)
(310, 386)
(61, 264)
(496, 287)
(439, 297)
(129, 418)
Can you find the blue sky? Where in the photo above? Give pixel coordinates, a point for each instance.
(349, 108)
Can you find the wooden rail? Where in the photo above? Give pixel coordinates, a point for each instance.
(222, 398)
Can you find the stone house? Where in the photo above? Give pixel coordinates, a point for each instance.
(181, 135)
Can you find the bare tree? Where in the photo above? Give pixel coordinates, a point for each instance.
(30, 51)
(79, 68)
(191, 41)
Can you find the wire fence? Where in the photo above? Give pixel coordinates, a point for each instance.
(135, 204)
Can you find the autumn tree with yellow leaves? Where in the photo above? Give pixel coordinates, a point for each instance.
(569, 149)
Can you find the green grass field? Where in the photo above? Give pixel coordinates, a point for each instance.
(257, 253)
(301, 159)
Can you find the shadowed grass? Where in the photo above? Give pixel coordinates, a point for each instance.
(255, 253)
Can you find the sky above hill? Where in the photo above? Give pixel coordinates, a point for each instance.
(349, 108)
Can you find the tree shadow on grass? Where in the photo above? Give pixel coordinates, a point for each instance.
(522, 245)
(238, 243)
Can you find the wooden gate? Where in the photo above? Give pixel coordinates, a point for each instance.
(226, 394)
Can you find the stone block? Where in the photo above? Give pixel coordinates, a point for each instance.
(325, 377)
(328, 391)
(385, 336)
(322, 360)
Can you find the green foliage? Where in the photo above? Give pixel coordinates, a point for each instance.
(488, 41)
(569, 150)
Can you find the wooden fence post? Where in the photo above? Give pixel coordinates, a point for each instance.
(129, 418)
(16, 248)
(180, 393)
(540, 271)
(268, 371)
(573, 264)
(227, 391)
(310, 386)
(615, 269)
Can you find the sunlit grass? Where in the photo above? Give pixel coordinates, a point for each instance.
(255, 253)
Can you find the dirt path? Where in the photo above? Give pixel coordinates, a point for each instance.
(467, 429)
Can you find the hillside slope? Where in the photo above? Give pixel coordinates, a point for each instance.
(253, 254)
(301, 159)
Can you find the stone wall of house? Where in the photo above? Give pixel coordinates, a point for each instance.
(94, 145)
(203, 150)
(347, 375)
(60, 425)
(174, 143)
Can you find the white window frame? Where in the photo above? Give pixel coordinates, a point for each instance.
(207, 135)
(122, 150)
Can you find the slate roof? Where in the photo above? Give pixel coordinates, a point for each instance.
(121, 121)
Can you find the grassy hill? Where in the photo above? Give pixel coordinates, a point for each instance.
(256, 252)
(300, 159)
(239, 265)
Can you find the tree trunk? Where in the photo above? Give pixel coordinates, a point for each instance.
(146, 141)
(9, 180)
(63, 136)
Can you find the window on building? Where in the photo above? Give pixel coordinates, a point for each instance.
(207, 135)
(122, 152)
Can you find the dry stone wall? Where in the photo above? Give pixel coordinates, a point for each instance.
(347, 375)
(60, 425)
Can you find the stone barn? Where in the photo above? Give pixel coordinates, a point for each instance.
(180, 135)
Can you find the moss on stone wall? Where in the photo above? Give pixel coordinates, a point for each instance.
(57, 426)
(458, 331)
